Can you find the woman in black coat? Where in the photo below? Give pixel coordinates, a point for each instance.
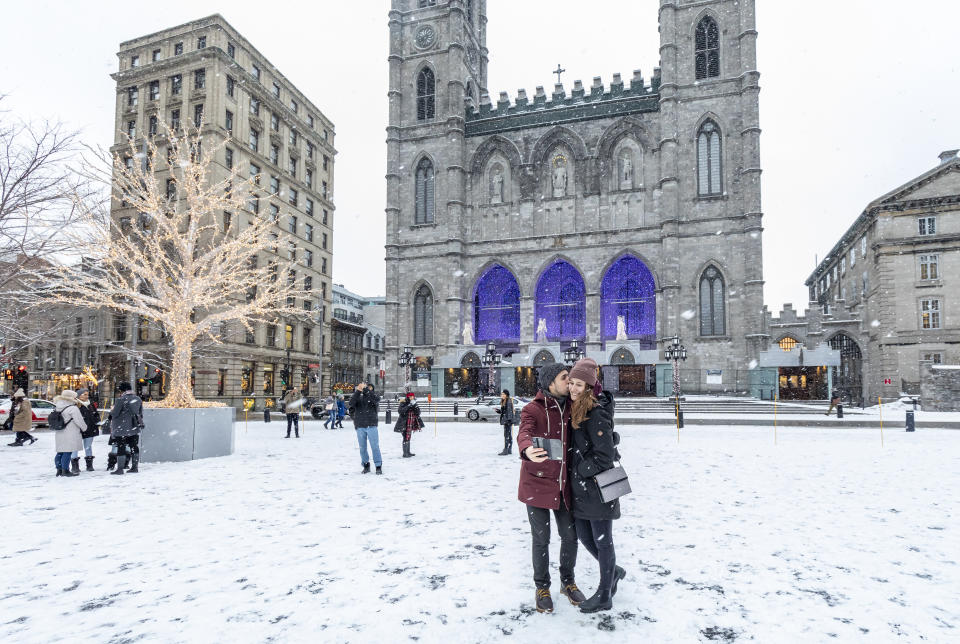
(592, 451)
(408, 421)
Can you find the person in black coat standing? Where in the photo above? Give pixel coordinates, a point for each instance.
(364, 410)
(91, 417)
(593, 450)
(408, 421)
(506, 419)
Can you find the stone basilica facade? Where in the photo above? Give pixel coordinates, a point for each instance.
(613, 216)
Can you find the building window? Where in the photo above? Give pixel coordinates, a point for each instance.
(423, 316)
(709, 165)
(226, 221)
(929, 267)
(197, 115)
(426, 94)
(271, 335)
(119, 327)
(276, 90)
(274, 122)
(927, 225)
(294, 106)
(200, 79)
(708, 49)
(202, 42)
(324, 241)
(171, 188)
(863, 247)
(788, 344)
(154, 90)
(293, 136)
(326, 162)
(274, 185)
(134, 61)
(424, 196)
(935, 358)
(229, 158)
(253, 204)
(231, 87)
(325, 217)
(231, 50)
(323, 189)
(308, 232)
(255, 72)
(310, 120)
(131, 129)
(155, 56)
(229, 121)
(426, 3)
(308, 283)
(307, 331)
(176, 83)
(712, 303)
(275, 213)
(254, 139)
(178, 49)
(293, 198)
(308, 178)
(310, 149)
(310, 207)
(255, 173)
(853, 256)
(175, 119)
(308, 258)
(275, 154)
(254, 106)
(292, 168)
(131, 97)
(930, 314)
(323, 268)
(292, 225)
(843, 265)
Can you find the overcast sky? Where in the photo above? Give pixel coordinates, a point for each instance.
(858, 96)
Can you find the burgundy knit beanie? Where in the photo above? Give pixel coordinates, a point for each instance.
(585, 370)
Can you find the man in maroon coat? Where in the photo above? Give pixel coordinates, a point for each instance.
(545, 486)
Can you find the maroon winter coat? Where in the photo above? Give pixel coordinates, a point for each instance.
(541, 483)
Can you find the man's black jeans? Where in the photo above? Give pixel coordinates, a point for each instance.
(540, 534)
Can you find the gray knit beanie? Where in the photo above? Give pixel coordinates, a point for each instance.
(549, 373)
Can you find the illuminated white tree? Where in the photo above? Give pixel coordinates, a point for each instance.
(172, 257)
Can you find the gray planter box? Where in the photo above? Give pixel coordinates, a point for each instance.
(186, 434)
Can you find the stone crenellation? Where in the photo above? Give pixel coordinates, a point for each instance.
(597, 93)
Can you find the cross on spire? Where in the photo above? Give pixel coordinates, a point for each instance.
(558, 71)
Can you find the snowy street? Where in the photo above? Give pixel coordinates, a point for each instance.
(726, 537)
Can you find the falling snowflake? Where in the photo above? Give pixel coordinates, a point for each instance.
(689, 314)
(753, 364)
(875, 324)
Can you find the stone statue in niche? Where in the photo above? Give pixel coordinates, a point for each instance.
(626, 171)
(467, 334)
(496, 186)
(621, 328)
(559, 177)
(542, 331)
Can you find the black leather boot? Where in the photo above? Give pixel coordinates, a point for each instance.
(366, 468)
(600, 600)
(75, 465)
(111, 461)
(89, 460)
(121, 461)
(134, 469)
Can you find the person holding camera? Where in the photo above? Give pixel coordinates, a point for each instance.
(126, 421)
(365, 409)
(593, 449)
(408, 421)
(543, 439)
(292, 404)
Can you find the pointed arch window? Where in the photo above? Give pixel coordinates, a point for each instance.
(426, 94)
(709, 160)
(708, 49)
(423, 316)
(712, 300)
(424, 198)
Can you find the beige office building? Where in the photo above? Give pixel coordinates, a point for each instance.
(206, 72)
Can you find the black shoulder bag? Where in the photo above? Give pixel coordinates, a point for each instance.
(613, 483)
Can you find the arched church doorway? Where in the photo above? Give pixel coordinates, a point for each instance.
(848, 377)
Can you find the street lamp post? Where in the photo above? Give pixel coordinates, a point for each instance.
(574, 353)
(676, 352)
(405, 360)
(492, 360)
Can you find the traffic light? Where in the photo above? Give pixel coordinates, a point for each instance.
(21, 379)
(157, 376)
(284, 376)
(8, 374)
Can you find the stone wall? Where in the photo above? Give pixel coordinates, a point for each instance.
(940, 387)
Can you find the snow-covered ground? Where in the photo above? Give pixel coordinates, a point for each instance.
(727, 537)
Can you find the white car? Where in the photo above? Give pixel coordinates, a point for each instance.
(40, 409)
(489, 409)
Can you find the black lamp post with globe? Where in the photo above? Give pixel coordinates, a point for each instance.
(573, 353)
(675, 352)
(492, 360)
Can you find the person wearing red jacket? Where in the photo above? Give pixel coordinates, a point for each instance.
(545, 486)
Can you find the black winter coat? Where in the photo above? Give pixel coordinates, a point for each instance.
(406, 408)
(592, 450)
(364, 406)
(92, 420)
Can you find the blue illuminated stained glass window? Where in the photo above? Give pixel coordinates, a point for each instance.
(496, 306)
(560, 301)
(628, 291)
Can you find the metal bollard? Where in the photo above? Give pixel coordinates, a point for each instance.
(914, 404)
(680, 419)
(266, 415)
(839, 410)
(388, 412)
(456, 409)
(910, 425)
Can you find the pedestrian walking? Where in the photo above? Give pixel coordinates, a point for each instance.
(365, 410)
(21, 419)
(331, 406)
(341, 411)
(506, 419)
(126, 422)
(67, 425)
(834, 401)
(292, 404)
(592, 451)
(91, 420)
(408, 421)
(543, 439)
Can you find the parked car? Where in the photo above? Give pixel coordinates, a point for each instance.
(40, 410)
(489, 409)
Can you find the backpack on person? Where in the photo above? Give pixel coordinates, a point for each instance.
(55, 421)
